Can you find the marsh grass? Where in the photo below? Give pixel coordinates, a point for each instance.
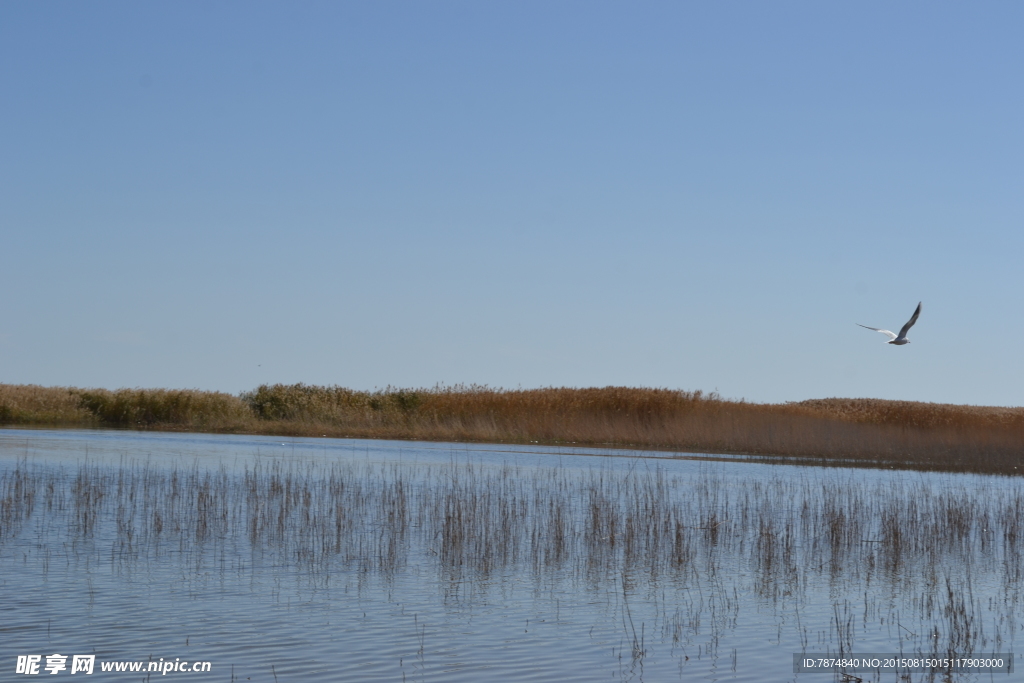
(868, 431)
(29, 404)
(603, 529)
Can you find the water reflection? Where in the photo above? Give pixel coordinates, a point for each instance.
(320, 561)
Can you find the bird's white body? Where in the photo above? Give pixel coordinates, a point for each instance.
(901, 338)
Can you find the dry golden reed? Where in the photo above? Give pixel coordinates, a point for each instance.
(132, 408)
(31, 404)
(901, 433)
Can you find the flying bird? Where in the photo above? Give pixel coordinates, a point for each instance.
(901, 338)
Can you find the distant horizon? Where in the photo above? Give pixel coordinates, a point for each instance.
(469, 386)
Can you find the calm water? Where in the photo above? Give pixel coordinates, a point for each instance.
(325, 560)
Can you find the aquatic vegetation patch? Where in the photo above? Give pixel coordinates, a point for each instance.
(868, 431)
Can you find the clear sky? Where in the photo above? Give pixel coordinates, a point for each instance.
(687, 195)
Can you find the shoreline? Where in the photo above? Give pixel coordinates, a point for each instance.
(858, 432)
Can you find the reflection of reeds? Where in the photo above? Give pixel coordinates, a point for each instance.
(474, 523)
(476, 520)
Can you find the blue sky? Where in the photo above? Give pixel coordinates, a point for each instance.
(685, 195)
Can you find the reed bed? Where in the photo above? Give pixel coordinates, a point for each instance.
(869, 431)
(920, 548)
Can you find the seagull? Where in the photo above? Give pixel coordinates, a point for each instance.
(901, 338)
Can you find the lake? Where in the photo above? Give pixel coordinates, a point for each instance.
(299, 559)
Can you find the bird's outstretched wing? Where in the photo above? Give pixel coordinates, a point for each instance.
(910, 323)
(891, 335)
